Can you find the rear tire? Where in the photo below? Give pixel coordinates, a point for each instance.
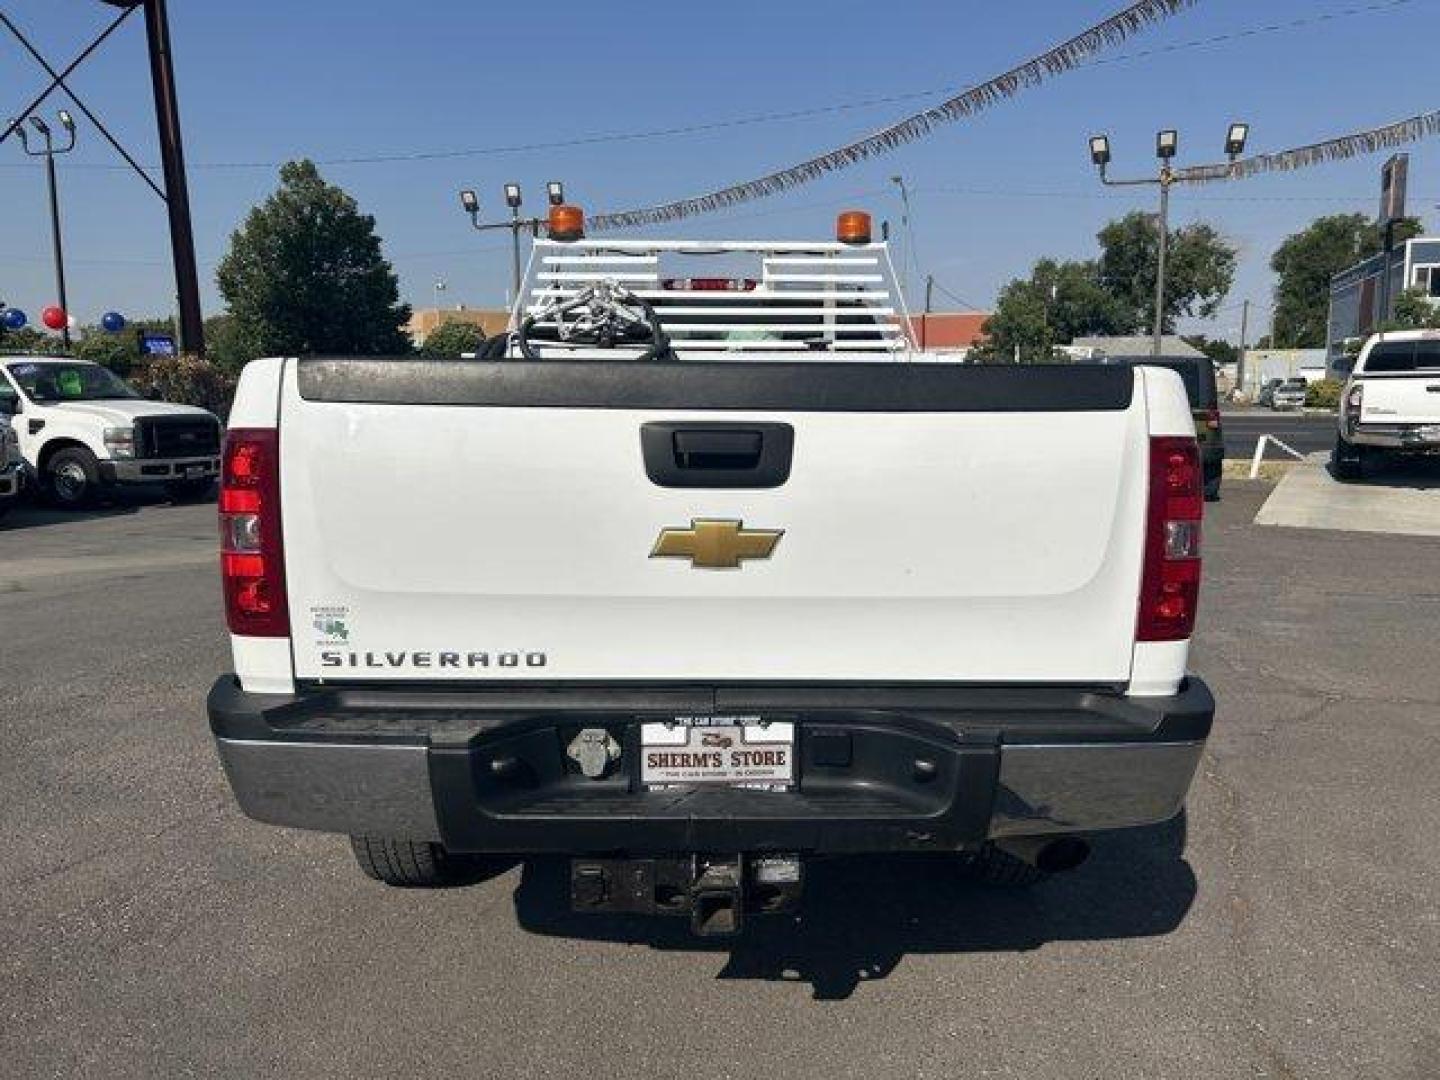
(1348, 462)
(72, 478)
(411, 864)
(1000, 869)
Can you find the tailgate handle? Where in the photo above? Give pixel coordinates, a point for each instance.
(695, 454)
(718, 449)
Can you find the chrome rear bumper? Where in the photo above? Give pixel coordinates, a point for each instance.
(934, 769)
(1420, 438)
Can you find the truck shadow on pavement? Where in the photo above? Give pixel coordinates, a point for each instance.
(1416, 474)
(33, 513)
(861, 917)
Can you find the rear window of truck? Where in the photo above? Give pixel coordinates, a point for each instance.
(1401, 357)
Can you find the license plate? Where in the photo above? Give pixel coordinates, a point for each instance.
(742, 751)
(193, 472)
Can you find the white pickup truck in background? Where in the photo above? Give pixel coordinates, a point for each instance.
(1390, 407)
(82, 430)
(702, 576)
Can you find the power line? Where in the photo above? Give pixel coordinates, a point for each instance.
(1012, 193)
(681, 130)
(1054, 61)
(966, 304)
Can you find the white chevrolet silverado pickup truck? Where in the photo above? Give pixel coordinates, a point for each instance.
(1390, 406)
(83, 430)
(696, 578)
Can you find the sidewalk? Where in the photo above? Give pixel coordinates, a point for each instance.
(1404, 502)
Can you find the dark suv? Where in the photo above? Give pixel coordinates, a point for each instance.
(1198, 374)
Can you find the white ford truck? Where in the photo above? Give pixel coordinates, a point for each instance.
(698, 577)
(1390, 407)
(83, 429)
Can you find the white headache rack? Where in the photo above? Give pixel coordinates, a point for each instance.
(825, 299)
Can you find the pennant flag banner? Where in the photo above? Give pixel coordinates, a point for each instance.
(1426, 125)
(1064, 57)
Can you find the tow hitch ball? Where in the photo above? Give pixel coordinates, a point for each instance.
(715, 891)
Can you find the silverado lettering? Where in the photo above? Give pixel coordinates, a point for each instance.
(333, 658)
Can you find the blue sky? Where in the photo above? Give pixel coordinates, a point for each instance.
(269, 80)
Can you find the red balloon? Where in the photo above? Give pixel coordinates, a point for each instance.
(53, 317)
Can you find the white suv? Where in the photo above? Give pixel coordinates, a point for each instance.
(82, 429)
(1391, 404)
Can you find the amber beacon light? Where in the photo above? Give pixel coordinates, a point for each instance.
(853, 227)
(566, 222)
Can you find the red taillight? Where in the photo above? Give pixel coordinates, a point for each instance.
(710, 284)
(1170, 583)
(252, 555)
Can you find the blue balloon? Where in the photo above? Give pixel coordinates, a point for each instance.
(14, 319)
(113, 322)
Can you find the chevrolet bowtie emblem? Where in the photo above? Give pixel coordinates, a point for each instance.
(716, 545)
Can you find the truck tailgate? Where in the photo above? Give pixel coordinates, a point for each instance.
(475, 521)
(1409, 398)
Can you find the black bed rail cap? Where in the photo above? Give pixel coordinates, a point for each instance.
(746, 385)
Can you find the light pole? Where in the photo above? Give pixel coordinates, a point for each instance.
(470, 203)
(899, 182)
(1167, 144)
(48, 152)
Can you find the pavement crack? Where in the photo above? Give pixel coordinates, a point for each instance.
(1238, 922)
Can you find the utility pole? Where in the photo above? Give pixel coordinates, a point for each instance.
(1244, 329)
(172, 161)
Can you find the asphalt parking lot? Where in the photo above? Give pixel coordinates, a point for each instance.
(150, 930)
(1306, 433)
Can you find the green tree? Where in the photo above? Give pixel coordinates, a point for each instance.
(228, 345)
(1219, 352)
(1114, 294)
(1199, 269)
(1414, 311)
(305, 274)
(1306, 262)
(1057, 303)
(452, 338)
(118, 352)
(27, 340)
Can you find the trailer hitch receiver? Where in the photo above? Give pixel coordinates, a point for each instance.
(716, 891)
